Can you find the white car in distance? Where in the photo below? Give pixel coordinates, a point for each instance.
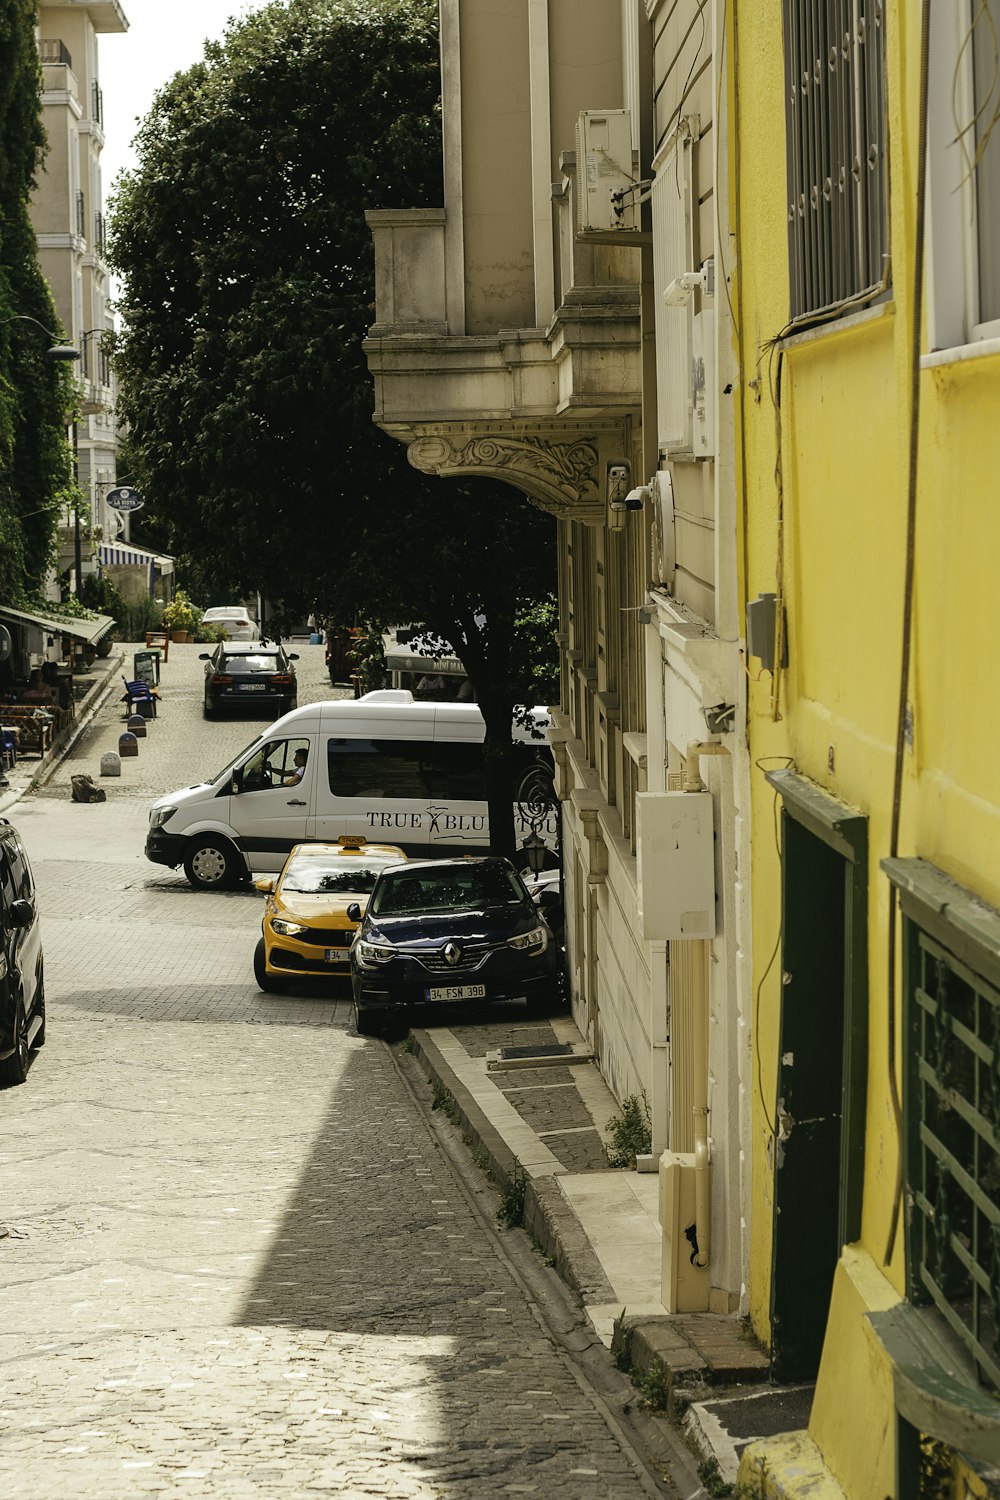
(238, 624)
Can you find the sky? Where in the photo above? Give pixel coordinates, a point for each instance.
(163, 37)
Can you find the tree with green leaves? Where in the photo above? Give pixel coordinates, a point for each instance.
(36, 395)
(247, 277)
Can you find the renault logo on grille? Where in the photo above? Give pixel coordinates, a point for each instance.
(452, 953)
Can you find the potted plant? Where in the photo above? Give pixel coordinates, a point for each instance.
(181, 617)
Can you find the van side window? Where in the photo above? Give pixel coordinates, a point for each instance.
(380, 768)
(275, 765)
(458, 774)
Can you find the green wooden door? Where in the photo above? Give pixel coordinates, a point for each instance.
(809, 1106)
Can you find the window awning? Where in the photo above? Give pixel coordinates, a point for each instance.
(125, 554)
(89, 630)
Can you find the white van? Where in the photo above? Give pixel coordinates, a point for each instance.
(397, 771)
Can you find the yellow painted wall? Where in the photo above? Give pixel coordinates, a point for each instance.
(844, 437)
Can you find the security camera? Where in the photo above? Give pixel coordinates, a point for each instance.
(634, 500)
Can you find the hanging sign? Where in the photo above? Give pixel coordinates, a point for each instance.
(124, 499)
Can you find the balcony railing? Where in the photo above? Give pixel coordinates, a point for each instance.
(100, 234)
(97, 97)
(81, 216)
(52, 50)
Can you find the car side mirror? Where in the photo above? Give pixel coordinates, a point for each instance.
(21, 914)
(353, 912)
(204, 656)
(264, 885)
(237, 785)
(293, 656)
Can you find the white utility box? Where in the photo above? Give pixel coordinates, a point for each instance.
(603, 167)
(676, 865)
(684, 1286)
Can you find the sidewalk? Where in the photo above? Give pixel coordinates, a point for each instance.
(535, 1111)
(34, 770)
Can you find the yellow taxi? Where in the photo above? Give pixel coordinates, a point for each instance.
(306, 930)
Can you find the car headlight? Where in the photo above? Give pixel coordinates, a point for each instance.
(373, 953)
(287, 929)
(159, 816)
(535, 941)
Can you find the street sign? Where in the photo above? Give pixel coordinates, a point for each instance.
(124, 499)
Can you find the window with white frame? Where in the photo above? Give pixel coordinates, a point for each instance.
(964, 173)
(837, 157)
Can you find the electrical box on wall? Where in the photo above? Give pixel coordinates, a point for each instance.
(604, 167)
(675, 850)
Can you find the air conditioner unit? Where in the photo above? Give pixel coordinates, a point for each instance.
(604, 168)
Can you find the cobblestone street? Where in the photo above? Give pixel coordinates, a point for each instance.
(238, 1262)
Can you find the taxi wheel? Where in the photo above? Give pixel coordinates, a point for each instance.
(211, 864)
(264, 980)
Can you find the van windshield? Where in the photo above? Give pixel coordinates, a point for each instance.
(226, 770)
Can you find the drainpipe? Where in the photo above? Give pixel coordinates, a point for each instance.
(699, 1109)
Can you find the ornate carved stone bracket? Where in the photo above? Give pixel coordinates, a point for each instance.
(560, 476)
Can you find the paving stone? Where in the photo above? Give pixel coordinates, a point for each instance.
(238, 1264)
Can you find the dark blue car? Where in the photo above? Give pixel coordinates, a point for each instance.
(448, 930)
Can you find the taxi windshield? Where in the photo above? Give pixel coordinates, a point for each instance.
(316, 875)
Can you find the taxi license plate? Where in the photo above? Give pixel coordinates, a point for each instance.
(253, 687)
(336, 955)
(457, 992)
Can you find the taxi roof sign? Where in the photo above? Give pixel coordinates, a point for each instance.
(352, 840)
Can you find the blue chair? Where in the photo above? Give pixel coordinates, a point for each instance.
(8, 749)
(139, 698)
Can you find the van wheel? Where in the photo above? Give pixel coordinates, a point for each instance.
(14, 1069)
(265, 981)
(212, 864)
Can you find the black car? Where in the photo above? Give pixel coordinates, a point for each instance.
(451, 929)
(22, 979)
(243, 674)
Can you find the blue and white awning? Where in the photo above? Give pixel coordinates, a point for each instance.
(125, 555)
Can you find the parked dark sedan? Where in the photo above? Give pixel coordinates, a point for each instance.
(22, 981)
(243, 674)
(446, 930)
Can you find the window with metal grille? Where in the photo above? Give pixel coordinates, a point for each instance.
(952, 1103)
(838, 183)
(81, 215)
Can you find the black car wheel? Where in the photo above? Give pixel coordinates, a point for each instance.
(367, 1021)
(39, 1011)
(212, 864)
(14, 1069)
(209, 710)
(288, 705)
(265, 981)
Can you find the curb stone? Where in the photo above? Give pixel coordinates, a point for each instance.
(548, 1218)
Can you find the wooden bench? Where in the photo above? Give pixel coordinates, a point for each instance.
(159, 639)
(34, 726)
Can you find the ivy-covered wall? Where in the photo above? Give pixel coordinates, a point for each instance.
(36, 395)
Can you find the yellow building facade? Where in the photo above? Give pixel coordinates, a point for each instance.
(868, 535)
